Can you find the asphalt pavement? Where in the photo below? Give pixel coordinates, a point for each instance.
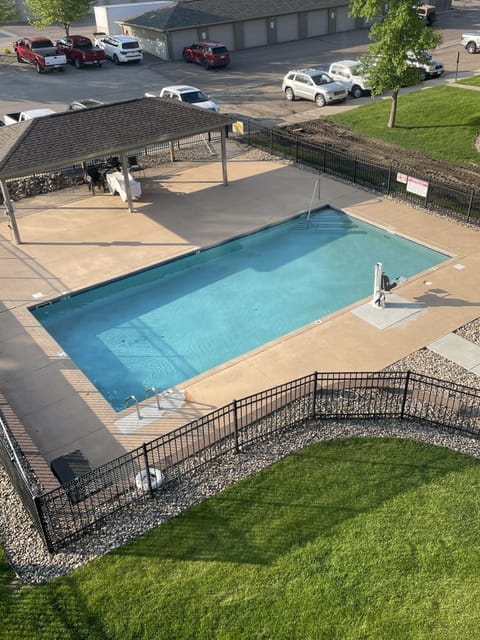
(250, 86)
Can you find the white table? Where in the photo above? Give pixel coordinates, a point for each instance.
(116, 184)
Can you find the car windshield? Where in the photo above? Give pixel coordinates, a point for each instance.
(194, 96)
(219, 50)
(130, 45)
(321, 78)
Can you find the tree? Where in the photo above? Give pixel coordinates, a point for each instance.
(65, 12)
(401, 31)
(8, 11)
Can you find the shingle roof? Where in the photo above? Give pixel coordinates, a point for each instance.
(67, 138)
(192, 13)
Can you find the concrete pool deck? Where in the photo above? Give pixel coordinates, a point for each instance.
(72, 240)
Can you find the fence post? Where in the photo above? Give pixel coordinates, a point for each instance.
(271, 141)
(354, 169)
(324, 157)
(235, 427)
(389, 179)
(470, 205)
(296, 149)
(315, 382)
(147, 470)
(405, 392)
(41, 519)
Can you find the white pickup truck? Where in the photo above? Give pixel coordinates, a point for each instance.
(14, 118)
(471, 41)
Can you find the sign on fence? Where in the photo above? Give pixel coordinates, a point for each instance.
(419, 187)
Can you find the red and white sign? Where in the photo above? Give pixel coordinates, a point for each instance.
(419, 187)
(402, 177)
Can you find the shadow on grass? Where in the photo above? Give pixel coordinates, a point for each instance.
(303, 497)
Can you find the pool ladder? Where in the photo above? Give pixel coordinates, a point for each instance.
(133, 398)
(316, 189)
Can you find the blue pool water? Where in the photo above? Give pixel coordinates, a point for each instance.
(165, 325)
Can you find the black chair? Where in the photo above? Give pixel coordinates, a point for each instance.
(113, 163)
(133, 165)
(94, 179)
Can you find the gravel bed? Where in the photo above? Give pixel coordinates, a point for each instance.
(33, 564)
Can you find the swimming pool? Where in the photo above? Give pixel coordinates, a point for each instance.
(170, 323)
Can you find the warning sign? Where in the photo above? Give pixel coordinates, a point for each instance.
(419, 187)
(237, 127)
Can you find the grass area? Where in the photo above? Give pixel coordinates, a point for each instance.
(349, 539)
(441, 122)
(472, 80)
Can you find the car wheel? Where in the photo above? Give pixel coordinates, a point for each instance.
(422, 75)
(99, 64)
(186, 57)
(205, 64)
(77, 64)
(471, 47)
(320, 100)
(19, 59)
(289, 94)
(38, 68)
(115, 59)
(357, 91)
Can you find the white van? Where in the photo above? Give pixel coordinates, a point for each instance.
(349, 73)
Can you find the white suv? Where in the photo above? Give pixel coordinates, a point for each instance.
(120, 48)
(185, 93)
(349, 73)
(313, 84)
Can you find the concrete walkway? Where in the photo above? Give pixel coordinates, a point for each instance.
(73, 240)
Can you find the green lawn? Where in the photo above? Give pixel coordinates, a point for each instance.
(472, 80)
(348, 539)
(441, 122)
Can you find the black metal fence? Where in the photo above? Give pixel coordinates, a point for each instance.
(69, 511)
(458, 201)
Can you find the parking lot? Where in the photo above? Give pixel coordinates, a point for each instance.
(250, 86)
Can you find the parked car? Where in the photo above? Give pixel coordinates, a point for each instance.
(208, 54)
(80, 51)
(427, 66)
(85, 103)
(428, 13)
(185, 93)
(120, 48)
(471, 41)
(313, 84)
(23, 116)
(41, 52)
(349, 73)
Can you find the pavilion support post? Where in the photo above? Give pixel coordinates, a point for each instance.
(126, 177)
(10, 212)
(172, 151)
(224, 157)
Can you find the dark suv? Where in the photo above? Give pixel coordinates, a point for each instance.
(208, 54)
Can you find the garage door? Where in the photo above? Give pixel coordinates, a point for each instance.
(254, 33)
(287, 28)
(344, 23)
(222, 33)
(317, 23)
(182, 39)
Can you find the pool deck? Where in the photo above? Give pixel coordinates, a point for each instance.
(72, 240)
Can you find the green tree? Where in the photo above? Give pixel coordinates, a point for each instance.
(400, 31)
(65, 12)
(8, 11)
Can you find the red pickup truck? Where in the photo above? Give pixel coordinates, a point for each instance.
(40, 52)
(80, 51)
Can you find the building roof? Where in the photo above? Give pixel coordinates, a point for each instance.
(64, 139)
(192, 13)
